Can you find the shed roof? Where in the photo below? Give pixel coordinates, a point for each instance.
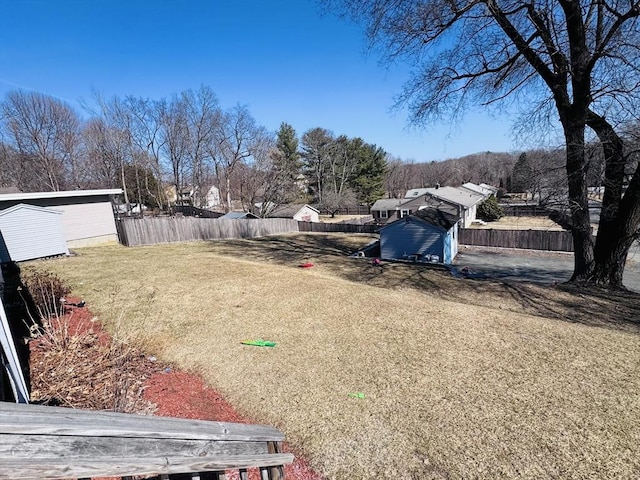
(21, 206)
(432, 216)
(236, 215)
(62, 194)
(288, 211)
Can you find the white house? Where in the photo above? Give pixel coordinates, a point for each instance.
(213, 199)
(87, 215)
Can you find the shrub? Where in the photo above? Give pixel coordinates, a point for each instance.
(46, 290)
(489, 210)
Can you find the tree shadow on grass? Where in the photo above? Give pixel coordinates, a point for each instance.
(594, 307)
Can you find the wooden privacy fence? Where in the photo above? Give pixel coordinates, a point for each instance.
(554, 240)
(336, 227)
(38, 442)
(149, 231)
(519, 210)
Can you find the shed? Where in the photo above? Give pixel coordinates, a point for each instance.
(29, 232)
(428, 235)
(302, 213)
(87, 215)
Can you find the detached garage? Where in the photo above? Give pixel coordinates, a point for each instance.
(28, 232)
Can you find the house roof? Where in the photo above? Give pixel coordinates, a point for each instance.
(460, 196)
(387, 204)
(235, 215)
(432, 216)
(288, 211)
(63, 194)
(493, 189)
(478, 189)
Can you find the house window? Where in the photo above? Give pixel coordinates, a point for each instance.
(405, 213)
(383, 214)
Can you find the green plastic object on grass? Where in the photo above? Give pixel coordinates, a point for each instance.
(357, 395)
(258, 343)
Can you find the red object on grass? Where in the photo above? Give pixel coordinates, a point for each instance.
(306, 265)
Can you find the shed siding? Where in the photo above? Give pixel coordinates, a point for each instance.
(306, 214)
(30, 233)
(404, 238)
(86, 220)
(88, 223)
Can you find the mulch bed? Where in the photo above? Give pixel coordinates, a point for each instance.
(76, 364)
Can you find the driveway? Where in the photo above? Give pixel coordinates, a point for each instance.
(532, 266)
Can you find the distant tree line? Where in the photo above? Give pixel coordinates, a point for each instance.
(187, 142)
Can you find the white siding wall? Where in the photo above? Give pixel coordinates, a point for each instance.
(32, 232)
(87, 224)
(306, 214)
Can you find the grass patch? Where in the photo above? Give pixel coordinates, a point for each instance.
(462, 379)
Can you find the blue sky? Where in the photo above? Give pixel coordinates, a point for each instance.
(281, 58)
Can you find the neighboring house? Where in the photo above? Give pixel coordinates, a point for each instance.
(302, 213)
(87, 215)
(237, 215)
(484, 191)
(28, 232)
(213, 199)
(491, 188)
(386, 209)
(464, 200)
(414, 204)
(428, 235)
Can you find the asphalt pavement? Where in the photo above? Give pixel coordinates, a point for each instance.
(532, 266)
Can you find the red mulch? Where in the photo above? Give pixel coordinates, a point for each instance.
(184, 395)
(175, 393)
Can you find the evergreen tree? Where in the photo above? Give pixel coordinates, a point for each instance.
(287, 164)
(521, 180)
(489, 210)
(370, 172)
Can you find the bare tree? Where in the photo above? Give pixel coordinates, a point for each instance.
(259, 180)
(105, 150)
(174, 134)
(580, 59)
(203, 115)
(45, 131)
(233, 140)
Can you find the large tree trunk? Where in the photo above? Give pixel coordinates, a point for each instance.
(578, 204)
(620, 214)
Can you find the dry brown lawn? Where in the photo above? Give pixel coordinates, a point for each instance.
(522, 223)
(462, 379)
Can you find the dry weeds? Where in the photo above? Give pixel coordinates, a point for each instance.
(462, 379)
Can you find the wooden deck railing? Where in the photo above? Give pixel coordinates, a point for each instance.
(38, 442)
